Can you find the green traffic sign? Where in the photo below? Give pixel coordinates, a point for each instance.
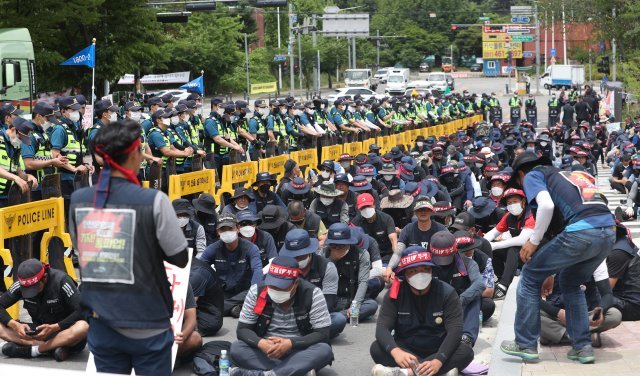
(522, 38)
(483, 18)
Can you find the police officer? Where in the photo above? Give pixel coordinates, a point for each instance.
(554, 110)
(185, 136)
(515, 104)
(261, 127)
(247, 226)
(155, 104)
(218, 137)
(531, 110)
(11, 164)
(194, 101)
(128, 298)
(420, 322)
(105, 113)
(52, 300)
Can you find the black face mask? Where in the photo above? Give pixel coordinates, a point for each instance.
(264, 188)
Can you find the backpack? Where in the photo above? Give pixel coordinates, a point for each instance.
(205, 361)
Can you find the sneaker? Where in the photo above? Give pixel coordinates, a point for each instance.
(13, 350)
(595, 340)
(380, 370)
(512, 348)
(61, 354)
(584, 355)
(236, 371)
(235, 311)
(618, 214)
(466, 339)
(500, 292)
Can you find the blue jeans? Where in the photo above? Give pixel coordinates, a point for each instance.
(471, 319)
(296, 362)
(338, 322)
(573, 257)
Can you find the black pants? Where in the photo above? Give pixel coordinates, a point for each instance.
(460, 359)
(630, 312)
(505, 264)
(487, 306)
(618, 187)
(209, 321)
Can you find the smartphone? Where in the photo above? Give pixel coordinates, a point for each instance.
(32, 332)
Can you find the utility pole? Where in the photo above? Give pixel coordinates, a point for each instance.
(564, 36)
(316, 67)
(535, 14)
(246, 64)
(279, 46)
(613, 50)
(349, 65)
(292, 82)
(546, 49)
(378, 48)
(355, 66)
(299, 59)
(553, 30)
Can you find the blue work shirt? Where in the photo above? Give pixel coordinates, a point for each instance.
(232, 270)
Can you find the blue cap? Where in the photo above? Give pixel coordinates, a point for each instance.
(340, 233)
(341, 177)
(482, 207)
(298, 243)
(23, 127)
(283, 271)
(362, 238)
(69, 102)
(81, 99)
(156, 101)
(246, 215)
(412, 257)
(104, 105)
(359, 184)
(46, 110)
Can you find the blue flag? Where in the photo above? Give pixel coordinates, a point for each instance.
(85, 57)
(196, 85)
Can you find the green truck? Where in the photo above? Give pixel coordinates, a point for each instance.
(17, 68)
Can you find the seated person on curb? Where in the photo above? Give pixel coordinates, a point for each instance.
(209, 296)
(188, 340)
(519, 223)
(318, 271)
(353, 265)
(602, 316)
(425, 316)
(53, 301)
(237, 262)
(284, 325)
(468, 246)
(247, 225)
(306, 220)
(464, 275)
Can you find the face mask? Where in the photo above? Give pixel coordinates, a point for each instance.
(419, 144)
(479, 165)
(74, 116)
(247, 231)
(497, 191)
(229, 236)
(369, 178)
(368, 213)
(135, 116)
(420, 281)
(283, 111)
(543, 143)
(531, 150)
(46, 125)
(351, 109)
(303, 264)
(240, 207)
(345, 165)
(264, 188)
(113, 118)
(175, 120)
(310, 111)
(515, 209)
(166, 121)
(185, 118)
(326, 201)
(325, 174)
(278, 297)
(322, 106)
(15, 142)
(264, 111)
(220, 111)
(182, 221)
(387, 177)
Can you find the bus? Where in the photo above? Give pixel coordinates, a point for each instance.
(17, 68)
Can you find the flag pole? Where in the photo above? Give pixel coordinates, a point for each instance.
(201, 107)
(93, 75)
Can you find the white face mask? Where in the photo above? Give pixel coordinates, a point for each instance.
(166, 121)
(497, 191)
(240, 207)
(310, 111)
(326, 201)
(113, 118)
(264, 111)
(387, 177)
(368, 212)
(175, 120)
(420, 281)
(248, 115)
(247, 231)
(419, 144)
(182, 221)
(283, 111)
(74, 116)
(15, 142)
(325, 174)
(351, 109)
(322, 106)
(303, 264)
(345, 165)
(185, 118)
(135, 116)
(515, 209)
(278, 297)
(229, 236)
(46, 125)
(369, 178)
(543, 143)
(220, 111)
(479, 165)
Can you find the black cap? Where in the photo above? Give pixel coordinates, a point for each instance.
(46, 110)
(156, 101)
(161, 113)
(81, 99)
(242, 191)
(206, 203)
(180, 108)
(23, 127)
(241, 104)
(104, 105)
(259, 103)
(216, 101)
(30, 272)
(194, 97)
(69, 103)
(464, 221)
(168, 98)
(182, 206)
(132, 106)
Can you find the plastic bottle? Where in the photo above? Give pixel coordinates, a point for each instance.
(354, 313)
(224, 363)
(480, 318)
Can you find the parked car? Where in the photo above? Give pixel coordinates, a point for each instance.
(424, 67)
(180, 93)
(438, 81)
(476, 67)
(352, 92)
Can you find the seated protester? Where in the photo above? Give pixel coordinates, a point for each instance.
(247, 223)
(398, 206)
(347, 195)
(52, 300)
(274, 221)
(205, 214)
(299, 190)
(242, 199)
(583, 158)
(623, 265)
(420, 322)
(304, 219)
(209, 294)
(353, 265)
(443, 213)
(602, 316)
(263, 195)
(326, 172)
(291, 171)
(415, 233)
(406, 172)
(328, 207)
(188, 340)
(360, 185)
(431, 186)
(284, 325)
(464, 275)
(237, 262)
(369, 173)
(455, 186)
(618, 178)
(316, 270)
(485, 214)
(192, 230)
(345, 163)
(519, 223)
(375, 284)
(389, 177)
(468, 246)
(377, 224)
(488, 172)
(497, 186)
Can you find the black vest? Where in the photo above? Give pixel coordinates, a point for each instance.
(190, 232)
(516, 225)
(261, 243)
(455, 274)
(49, 306)
(348, 269)
(312, 224)
(317, 270)
(302, 302)
(329, 214)
(261, 202)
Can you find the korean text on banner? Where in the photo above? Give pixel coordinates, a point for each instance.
(267, 87)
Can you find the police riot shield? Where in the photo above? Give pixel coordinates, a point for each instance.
(532, 115)
(514, 115)
(495, 114)
(271, 149)
(50, 187)
(235, 156)
(283, 147)
(171, 167)
(80, 180)
(209, 161)
(196, 162)
(155, 175)
(21, 247)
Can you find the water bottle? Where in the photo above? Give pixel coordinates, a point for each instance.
(480, 318)
(224, 363)
(354, 313)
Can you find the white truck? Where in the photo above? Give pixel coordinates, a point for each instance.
(563, 76)
(360, 78)
(397, 81)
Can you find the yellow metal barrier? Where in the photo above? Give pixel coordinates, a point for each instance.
(274, 165)
(439, 130)
(192, 182)
(331, 152)
(31, 217)
(244, 172)
(366, 144)
(305, 158)
(353, 148)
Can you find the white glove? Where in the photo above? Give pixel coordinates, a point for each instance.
(629, 212)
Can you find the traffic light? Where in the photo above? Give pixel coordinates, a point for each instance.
(603, 65)
(454, 27)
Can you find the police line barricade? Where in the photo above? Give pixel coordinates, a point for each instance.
(439, 130)
(383, 142)
(305, 158)
(28, 218)
(192, 182)
(353, 148)
(275, 165)
(243, 173)
(366, 143)
(331, 152)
